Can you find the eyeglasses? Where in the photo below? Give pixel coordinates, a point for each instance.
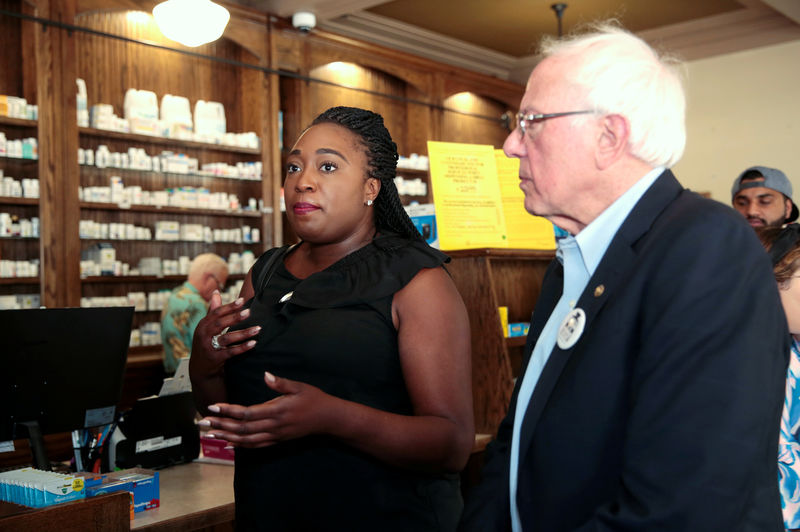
(523, 120)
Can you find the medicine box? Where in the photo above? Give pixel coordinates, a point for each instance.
(36, 488)
(214, 448)
(423, 215)
(518, 329)
(102, 485)
(142, 484)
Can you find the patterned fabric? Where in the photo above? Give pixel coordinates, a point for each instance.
(183, 311)
(789, 446)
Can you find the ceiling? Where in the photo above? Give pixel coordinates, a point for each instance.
(499, 37)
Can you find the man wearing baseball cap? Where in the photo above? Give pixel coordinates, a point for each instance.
(764, 197)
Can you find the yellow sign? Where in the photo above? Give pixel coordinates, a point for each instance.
(469, 211)
(478, 200)
(524, 230)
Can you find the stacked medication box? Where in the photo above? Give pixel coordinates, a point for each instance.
(36, 488)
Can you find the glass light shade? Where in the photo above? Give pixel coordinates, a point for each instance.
(191, 22)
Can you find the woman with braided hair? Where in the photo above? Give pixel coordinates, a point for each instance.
(341, 375)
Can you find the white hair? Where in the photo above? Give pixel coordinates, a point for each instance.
(616, 72)
(208, 262)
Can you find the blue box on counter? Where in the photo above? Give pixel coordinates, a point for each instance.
(142, 484)
(518, 329)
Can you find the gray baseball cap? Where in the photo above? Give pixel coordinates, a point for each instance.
(774, 179)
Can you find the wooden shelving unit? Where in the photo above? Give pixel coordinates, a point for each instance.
(19, 248)
(487, 279)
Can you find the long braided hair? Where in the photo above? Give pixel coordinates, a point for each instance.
(382, 160)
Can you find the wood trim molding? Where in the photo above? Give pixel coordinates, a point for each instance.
(754, 26)
(414, 40)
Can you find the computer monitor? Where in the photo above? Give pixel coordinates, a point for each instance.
(61, 369)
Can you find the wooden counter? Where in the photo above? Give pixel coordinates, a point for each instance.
(193, 496)
(200, 495)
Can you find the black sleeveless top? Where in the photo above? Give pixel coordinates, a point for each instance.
(335, 332)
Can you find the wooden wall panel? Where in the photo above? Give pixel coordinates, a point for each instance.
(110, 67)
(458, 127)
(322, 96)
(420, 120)
(506, 92)
(325, 52)
(11, 45)
(29, 85)
(256, 111)
(58, 146)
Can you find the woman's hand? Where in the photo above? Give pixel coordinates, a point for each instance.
(301, 410)
(211, 347)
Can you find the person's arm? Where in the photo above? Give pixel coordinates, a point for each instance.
(206, 365)
(434, 346)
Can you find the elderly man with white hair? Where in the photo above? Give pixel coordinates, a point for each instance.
(651, 390)
(188, 304)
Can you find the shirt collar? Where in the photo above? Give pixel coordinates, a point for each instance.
(595, 238)
(192, 288)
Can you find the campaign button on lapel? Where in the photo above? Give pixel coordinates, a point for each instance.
(571, 328)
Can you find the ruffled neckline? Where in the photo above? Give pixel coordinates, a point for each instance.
(374, 271)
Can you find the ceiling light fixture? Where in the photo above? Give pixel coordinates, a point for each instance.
(191, 22)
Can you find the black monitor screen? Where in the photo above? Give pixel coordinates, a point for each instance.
(61, 367)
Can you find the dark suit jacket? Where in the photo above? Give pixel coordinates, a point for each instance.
(665, 414)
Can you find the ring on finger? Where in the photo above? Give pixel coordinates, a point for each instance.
(215, 342)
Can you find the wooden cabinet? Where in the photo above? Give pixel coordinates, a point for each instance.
(488, 279)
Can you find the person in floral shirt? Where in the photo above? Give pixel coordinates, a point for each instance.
(783, 244)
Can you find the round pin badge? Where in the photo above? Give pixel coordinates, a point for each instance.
(571, 328)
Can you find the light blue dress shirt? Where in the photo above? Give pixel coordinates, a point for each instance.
(580, 256)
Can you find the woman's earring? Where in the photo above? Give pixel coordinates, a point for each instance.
(369, 202)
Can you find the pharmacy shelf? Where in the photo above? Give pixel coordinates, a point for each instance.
(19, 122)
(19, 280)
(164, 141)
(412, 171)
(169, 210)
(110, 170)
(9, 200)
(516, 341)
(19, 160)
(154, 241)
(169, 242)
(121, 279)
